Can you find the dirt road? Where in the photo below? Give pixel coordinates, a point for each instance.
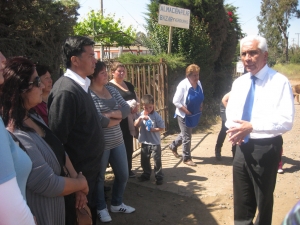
(203, 194)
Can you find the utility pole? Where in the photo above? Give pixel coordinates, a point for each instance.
(298, 39)
(170, 39)
(293, 41)
(102, 47)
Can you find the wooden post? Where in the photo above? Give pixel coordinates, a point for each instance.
(170, 39)
(102, 46)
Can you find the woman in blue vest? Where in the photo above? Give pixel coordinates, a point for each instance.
(188, 100)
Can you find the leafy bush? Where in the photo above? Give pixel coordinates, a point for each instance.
(291, 71)
(174, 61)
(37, 29)
(295, 55)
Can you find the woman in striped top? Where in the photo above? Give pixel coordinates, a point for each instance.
(112, 108)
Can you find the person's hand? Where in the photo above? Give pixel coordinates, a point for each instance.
(145, 117)
(107, 114)
(35, 220)
(188, 113)
(111, 114)
(83, 179)
(134, 110)
(201, 107)
(237, 134)
(81, 200)
(118, 120)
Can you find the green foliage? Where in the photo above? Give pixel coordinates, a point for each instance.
(273, 24)
(295, 55)
(174, 61)
(290, 70)
(210, 41)
(36, 29)
(106, 30)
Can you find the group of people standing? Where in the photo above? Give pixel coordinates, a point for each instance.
(56, 143)
(62, 138)
(59, 140)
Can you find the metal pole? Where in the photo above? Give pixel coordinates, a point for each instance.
(298, 39)
(170, 39)
(102, 47)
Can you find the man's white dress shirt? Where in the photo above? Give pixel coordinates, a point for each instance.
(84, 83)
(273, 107)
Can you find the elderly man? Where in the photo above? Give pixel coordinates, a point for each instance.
(73, 116)
(260, 109)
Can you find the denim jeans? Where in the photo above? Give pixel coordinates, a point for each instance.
(117, 158)
(147, 152)
(183, 138)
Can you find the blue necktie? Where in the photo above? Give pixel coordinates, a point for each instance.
(249, 104)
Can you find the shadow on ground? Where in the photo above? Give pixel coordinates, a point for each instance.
(154, 206)
(295, 164)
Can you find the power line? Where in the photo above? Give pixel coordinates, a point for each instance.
(81, 4)
(129, 14)
(249, 20)
(293, 40)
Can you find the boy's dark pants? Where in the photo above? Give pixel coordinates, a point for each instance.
(146, 152)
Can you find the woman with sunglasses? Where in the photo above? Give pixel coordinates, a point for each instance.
(15, 167)
(20, 92)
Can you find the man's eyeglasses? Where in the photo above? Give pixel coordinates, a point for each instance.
(36, 82)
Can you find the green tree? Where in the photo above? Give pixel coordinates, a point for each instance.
(105, 30)
(274, 23)
(36, 29)
(210, 41)
(294, 55)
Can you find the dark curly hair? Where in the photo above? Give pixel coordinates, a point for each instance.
(17, 73)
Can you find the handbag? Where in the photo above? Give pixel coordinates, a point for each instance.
(84, 216)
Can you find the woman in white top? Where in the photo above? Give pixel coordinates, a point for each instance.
(188, 100)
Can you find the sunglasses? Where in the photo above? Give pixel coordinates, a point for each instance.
(36, 82)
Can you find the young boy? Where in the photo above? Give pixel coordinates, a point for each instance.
(151, 124)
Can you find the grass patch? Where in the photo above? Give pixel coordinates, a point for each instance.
(291, 71)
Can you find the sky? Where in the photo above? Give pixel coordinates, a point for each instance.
(132, 12)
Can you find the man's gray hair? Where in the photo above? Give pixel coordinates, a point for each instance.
(262, 42)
